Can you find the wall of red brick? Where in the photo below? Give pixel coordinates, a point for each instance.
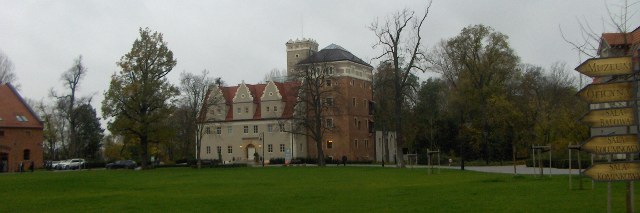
(14, 141)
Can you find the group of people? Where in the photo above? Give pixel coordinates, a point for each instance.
(21, 167)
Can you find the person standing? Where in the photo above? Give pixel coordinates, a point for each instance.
(21, 167)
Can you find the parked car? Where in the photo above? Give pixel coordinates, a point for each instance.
(76, 163)
(122, 164)
(63, 164)
(53, 164)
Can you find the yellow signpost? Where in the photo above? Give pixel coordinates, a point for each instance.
(621, 171)
(607, 92)
(609, 117)
(612, 144)
(597, 67)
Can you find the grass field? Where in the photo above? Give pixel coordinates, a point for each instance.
(297, 189)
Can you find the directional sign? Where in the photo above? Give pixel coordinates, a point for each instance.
(597, 67)
(609, 117)
(608, 92)
(612, 144)
(622, 171)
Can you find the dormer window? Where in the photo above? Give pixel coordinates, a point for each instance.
(242, 96)
(238, 110)
(21, 118)
(246, 110)
(267, 109)
(275, 108)
(270, 93)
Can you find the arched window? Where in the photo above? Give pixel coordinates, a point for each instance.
(27, 154)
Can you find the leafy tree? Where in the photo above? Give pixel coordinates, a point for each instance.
(138, 97)
(477, 65)
(89, 132)
(400, 38)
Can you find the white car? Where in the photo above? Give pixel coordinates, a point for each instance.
(62, 164)
(76, 163)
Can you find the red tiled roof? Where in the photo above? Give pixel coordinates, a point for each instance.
(13, 110)
(288, 91)
(615, 39)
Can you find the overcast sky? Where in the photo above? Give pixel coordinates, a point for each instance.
(243, 40)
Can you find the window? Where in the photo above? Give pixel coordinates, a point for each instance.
(21, 118)
(329, 123)
(208, 150)
(229, 129)
(330, 71)
(270, 148)
(328, 82)
(328, 101)
(355, 143)
(207, 130)
(1, 133)
(219, 130)
(219, 111)
(365, 103)
(352, 82)
(358, 125)
(246, 110)
(27, 154)
(229, 149)
(281, 127)
(281, 147)
(238, 110)
(270, 93)
(246, 129)
(270, 127)
(219, 149)
(329, 144)
(355, 122)
(366, 143)
(275, 108)
(255, 128)
(354, 102)
(267, 109)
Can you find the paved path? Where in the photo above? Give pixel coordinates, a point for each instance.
(521, 169)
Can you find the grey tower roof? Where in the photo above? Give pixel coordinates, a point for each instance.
(331, 53)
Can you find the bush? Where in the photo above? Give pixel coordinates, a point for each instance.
(276, 161)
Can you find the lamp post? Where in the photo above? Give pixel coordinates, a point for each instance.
(262, 139)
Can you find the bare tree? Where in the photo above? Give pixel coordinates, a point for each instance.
(70, 101)
(193, 89)
(316, 104)
(275, 74)
(620, 18)
(212, 102)
(400, 39)
(7, 74)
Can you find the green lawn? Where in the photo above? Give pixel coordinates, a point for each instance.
(297, 189)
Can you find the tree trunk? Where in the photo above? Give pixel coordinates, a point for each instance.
(398, 117)
(144, 145)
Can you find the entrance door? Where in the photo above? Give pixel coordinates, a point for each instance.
(251, 150)
(4, 162)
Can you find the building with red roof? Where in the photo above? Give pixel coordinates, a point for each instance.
(21, 133)
(261, 120)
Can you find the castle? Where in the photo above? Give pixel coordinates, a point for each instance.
(247, 121)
